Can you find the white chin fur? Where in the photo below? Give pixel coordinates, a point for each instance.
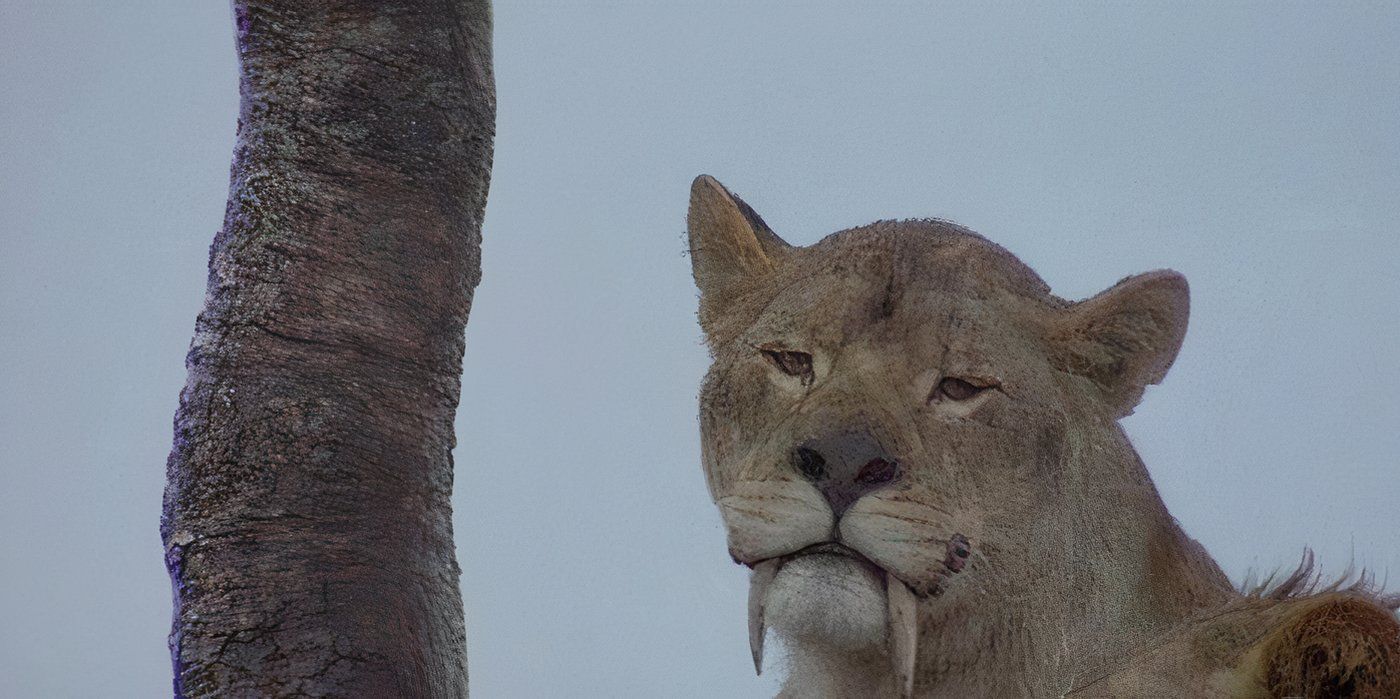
(829, 600)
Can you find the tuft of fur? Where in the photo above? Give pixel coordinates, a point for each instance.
(1343, 646)
(1306, 580)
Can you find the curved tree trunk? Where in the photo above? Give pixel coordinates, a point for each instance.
(307, 521)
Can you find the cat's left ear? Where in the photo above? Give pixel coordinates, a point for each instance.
(730, 247)
(1125, 338)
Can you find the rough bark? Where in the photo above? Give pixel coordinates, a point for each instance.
(307, 521)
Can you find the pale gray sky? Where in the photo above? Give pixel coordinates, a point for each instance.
(1252, 147)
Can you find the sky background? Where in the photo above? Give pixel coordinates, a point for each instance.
(1254, 148)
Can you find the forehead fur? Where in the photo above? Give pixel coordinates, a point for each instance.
(934, 254)
(879, 265)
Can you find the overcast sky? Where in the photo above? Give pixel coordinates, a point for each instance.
(1254, 148)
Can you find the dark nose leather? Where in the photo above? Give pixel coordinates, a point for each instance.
(845, 467)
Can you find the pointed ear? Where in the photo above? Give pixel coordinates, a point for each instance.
(1126, 337)
(729, 245)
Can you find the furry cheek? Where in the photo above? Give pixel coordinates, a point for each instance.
(765, 519)
(910, 541)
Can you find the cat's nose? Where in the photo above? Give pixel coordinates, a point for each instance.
(845, 467)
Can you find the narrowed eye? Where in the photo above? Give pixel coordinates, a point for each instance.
(790, 362)
(954, 388)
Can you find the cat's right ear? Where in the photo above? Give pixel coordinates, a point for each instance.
(730, 246)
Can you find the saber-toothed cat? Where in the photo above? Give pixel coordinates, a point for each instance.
(915, 446)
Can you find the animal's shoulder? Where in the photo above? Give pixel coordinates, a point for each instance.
(1336, 643)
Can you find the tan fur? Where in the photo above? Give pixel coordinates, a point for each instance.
(1077, 573)
(1293, 640)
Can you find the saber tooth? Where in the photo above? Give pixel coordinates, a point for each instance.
(904, 633)
(763, 574)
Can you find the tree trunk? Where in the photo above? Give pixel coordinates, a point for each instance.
(307, 521)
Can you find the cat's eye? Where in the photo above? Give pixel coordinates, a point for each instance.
(790, 362)
(954, 388)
